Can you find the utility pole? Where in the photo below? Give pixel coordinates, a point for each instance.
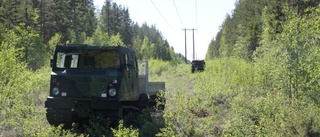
(193, 44)
(185, 43)
(185, 33)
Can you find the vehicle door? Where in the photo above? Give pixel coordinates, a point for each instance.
(128, 74)
(135, 73)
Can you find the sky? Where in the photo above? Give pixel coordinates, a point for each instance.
(171, 17)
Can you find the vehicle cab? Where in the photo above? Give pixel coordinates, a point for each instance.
(88, 79)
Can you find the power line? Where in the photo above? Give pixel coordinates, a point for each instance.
(161, 14)
(178, 12)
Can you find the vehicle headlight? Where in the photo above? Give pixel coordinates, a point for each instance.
(112, 92)
(55, 91)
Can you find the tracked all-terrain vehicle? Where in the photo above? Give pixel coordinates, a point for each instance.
(98, 80)
(197, 65)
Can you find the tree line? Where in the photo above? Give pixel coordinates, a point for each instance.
(76, 21)
(251, 22)
(281, 38)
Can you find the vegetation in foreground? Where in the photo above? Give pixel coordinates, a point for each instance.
(225, 100)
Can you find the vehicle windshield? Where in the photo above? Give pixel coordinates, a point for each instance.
(198, 62)
(88, 59)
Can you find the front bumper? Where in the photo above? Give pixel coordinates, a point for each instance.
(197, 68)
(82, 103)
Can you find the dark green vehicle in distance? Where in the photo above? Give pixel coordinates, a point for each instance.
(98, 80)
(197, 65)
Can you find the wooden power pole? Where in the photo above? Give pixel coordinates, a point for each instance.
(185, 35)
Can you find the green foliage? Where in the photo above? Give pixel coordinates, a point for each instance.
(146, 49)
(14, 13)
(76, 22)
(10, 67)
(240, 32)
(124, 131)
(272, 115)
(29, 46)
(151, 45)
(160, 100)
(300, 42)
(115, 20)
(254, 23)
(157, 67)
(101, 38)
(97, 126)
(49, 131)
(233, 97)
(53, 43)
(50, 17)
(215, 89)
(241, 47)
(148, 122)
(225, 48)
(22, 99)
(69, 18)
(98, 38)
(291, 66)
(213, 50)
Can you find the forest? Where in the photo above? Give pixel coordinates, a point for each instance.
(262, 75)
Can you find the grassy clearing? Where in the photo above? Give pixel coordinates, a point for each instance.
(226, 99)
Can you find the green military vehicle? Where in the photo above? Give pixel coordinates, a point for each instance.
(198, 65)
(99, 80)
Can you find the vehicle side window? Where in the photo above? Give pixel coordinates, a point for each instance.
(60, 60)
(135, 63)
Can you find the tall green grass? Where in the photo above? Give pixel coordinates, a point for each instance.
(227, 99)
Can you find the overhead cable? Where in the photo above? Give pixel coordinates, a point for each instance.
(161, 14)
(178, 13)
